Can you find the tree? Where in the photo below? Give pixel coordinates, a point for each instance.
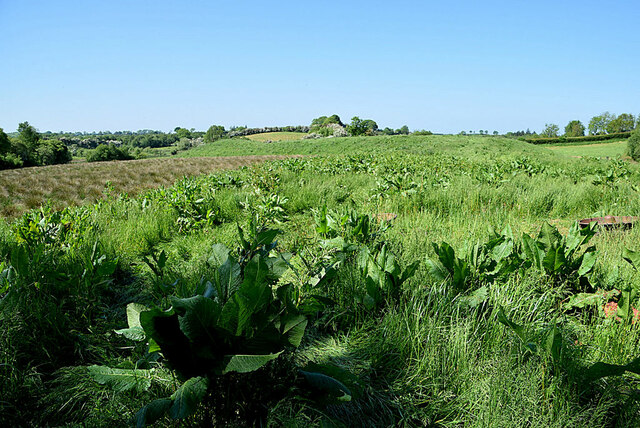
(28, 134)
(5, 143)
(598, 124)
(404, 130)
(550, 130)
(361, 127)
(623, 123)
(215, 132)
(495, 132)
(575, 128)
(182, 133)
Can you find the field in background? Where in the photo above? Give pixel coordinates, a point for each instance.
(276, 136)
(472, 146)
(81, 183)
(609, 149)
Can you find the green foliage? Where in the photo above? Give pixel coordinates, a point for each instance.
(108, 152)
(5, 143)
(575, 128)
(624, 122)
(633, 145)
(550, 130)
(383, 275)
(215, 132)
(588, 138)
(361, 126)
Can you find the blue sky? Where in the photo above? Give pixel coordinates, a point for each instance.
(445, 66)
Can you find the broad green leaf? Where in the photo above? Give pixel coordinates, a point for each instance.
(278, 265)
(292, 327)
(600, 369)
(553, 344)
(549, 237)
(328, 385)
(229, 278)
(577, 236)
(554, 261)
(133, 314)
(437, 270)
(632, 257)
(446, 255)
(517, 329)
(121, 380)
(503, 250)
(532, 252)
(197, 316)
(219, 255)
(246, 363)
(460, 273)
(152, 412)
(625, 308)
(187, 398)
(588, 261)
(134, 333)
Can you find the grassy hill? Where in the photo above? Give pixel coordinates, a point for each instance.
(471, 146)
(276, 136)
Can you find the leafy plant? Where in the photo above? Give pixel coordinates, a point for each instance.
(383, 276)
(558, 256)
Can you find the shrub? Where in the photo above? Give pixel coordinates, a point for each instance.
(109, 152)
(600, 137)
(633, 146)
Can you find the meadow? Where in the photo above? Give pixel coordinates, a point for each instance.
(611, 149)
(276, 136)
(374, 281)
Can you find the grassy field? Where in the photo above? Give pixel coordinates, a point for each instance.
(82, 183)
(276, 136)
(609, 149)
(478, 304)
(423, 145)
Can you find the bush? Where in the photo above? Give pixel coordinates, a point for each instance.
(633, 147)
(51, 152)
(10, 161)
(108, 153)
(600, 137)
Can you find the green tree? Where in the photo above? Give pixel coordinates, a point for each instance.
(5, 143)
(575, 128)
(215, 132)
(622, 123)
(550, 130)
(404, 130)
(182, 133)
(361, 127)
(598, 124)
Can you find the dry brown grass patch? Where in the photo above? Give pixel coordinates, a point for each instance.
(79, 183)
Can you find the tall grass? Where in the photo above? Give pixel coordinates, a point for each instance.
(427, 359)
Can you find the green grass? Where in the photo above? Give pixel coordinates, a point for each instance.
(426, 360)
(472, 147)
(607, 149)
(276, 136)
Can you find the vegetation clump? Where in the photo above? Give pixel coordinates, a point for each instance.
(633, 145)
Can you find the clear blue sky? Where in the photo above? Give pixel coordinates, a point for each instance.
(445, 66)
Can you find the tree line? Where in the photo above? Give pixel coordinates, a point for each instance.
(29, 148)
(602, 124)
